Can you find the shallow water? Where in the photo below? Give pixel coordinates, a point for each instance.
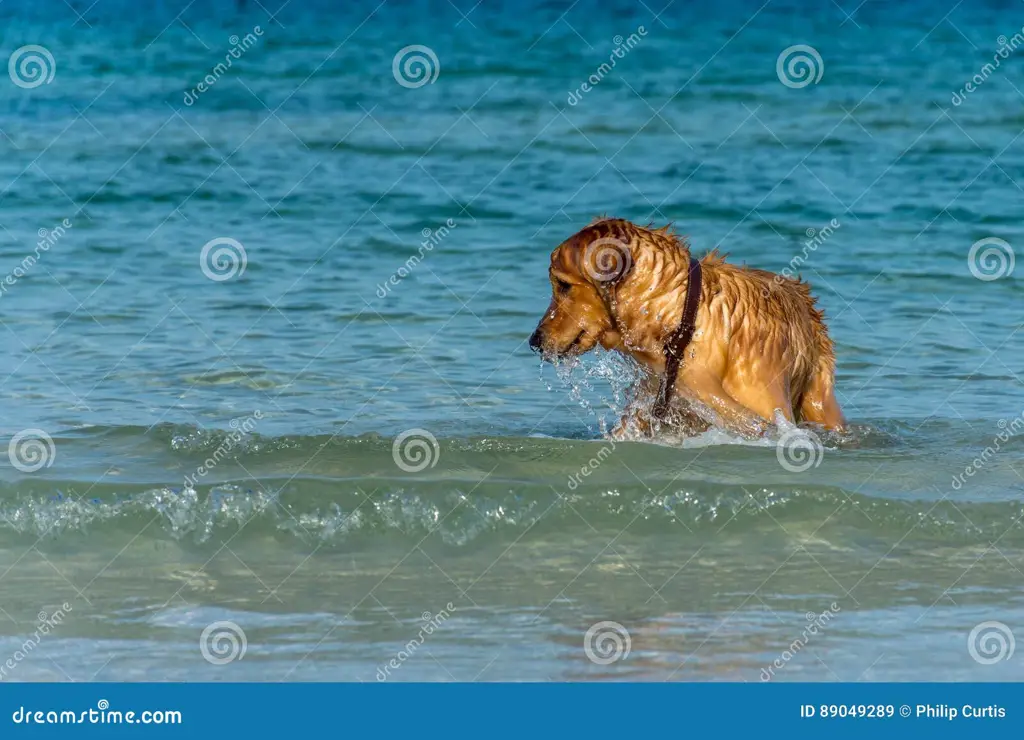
(382, 450)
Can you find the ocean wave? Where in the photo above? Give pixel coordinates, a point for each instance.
(206, 486)
(317, 512)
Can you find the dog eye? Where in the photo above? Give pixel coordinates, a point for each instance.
(563, 287)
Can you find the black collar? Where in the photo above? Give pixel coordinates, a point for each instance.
(678, 341)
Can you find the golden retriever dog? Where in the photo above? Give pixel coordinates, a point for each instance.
(755, 344)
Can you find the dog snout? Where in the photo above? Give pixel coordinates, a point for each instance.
(536, 340)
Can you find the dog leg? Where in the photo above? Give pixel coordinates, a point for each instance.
(630, 425)
(636, 418)
(819, 404)
(765, 400)
(707, 388)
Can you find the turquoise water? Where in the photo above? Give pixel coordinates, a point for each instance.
(383, 442)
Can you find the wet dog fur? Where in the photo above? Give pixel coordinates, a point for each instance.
(761, 344)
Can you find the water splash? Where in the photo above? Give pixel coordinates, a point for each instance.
(601, 386)
(586, 380)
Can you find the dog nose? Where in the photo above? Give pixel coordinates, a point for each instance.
(535, 340)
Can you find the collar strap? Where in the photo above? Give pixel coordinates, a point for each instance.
(678, 341)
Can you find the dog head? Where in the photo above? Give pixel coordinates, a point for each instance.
(606, 281)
